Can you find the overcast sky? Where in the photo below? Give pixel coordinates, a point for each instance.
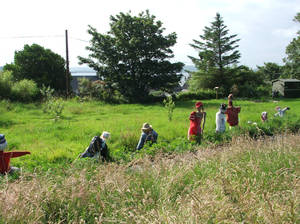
(265, 27)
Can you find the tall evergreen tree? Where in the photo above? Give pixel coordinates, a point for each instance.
(133, 57)
(217, 51)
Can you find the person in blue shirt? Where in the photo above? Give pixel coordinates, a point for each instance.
(148, 134)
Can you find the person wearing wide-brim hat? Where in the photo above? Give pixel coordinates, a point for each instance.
(148, 134)
(196, 119)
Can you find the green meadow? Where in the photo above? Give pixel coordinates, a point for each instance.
(58, 142)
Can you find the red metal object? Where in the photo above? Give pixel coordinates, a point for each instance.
(5, 159)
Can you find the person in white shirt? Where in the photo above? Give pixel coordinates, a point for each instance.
(220, 118)
(281, 112)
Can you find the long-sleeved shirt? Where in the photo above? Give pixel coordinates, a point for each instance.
(280, 112)
(152, 136)
(220, 122)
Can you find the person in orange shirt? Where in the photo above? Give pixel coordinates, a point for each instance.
(232, 112)
(196, 118)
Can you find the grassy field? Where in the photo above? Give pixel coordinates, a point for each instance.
(57, 143)
(249, 181)
(247, 175)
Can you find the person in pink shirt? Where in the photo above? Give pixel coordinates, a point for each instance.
(196, 119)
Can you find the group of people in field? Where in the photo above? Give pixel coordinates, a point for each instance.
(98, 146)
(226, 114)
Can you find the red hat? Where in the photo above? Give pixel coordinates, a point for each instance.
(199, 104)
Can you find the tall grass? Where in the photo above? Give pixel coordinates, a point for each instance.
(244, 182)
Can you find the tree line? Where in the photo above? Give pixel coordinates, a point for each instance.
(133, 59)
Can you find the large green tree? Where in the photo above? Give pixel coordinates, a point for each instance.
(41, 65)
(133, 57)
(292, 61)
(217, 51)
(270, 71)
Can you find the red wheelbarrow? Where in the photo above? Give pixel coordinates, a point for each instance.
(5, 159)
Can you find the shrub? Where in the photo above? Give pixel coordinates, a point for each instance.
(6, 82)
(52, 105)
(170, 106)
(129, 140)
(201, 94)
(25, 90)
(99, 90)
(251, 91)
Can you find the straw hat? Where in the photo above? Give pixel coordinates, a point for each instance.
(146, 127)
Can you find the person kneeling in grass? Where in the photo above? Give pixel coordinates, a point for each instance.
(148, 134)
(98, 148)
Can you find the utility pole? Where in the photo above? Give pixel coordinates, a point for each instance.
(67, 65)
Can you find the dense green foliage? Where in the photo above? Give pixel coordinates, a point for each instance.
(133, 57)
(270, 71)
(40, 65)
(98, 90)
(23, 90)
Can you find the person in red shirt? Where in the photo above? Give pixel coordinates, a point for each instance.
(196, 118)
(232, 112)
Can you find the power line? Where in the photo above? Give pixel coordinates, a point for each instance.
(24, 37)
(45, 36)
(74, 38)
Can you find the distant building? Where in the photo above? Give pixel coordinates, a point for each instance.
(289, 88)
(77, 73)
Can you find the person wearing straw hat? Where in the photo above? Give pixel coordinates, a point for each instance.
(148, 134)
(98, 147)
(196, 117)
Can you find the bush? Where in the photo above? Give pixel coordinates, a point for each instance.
(251, 91)
(99, 90)
(129, 140)
(25, 90)
(201, 94)
(6, 82)
(170, 106)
